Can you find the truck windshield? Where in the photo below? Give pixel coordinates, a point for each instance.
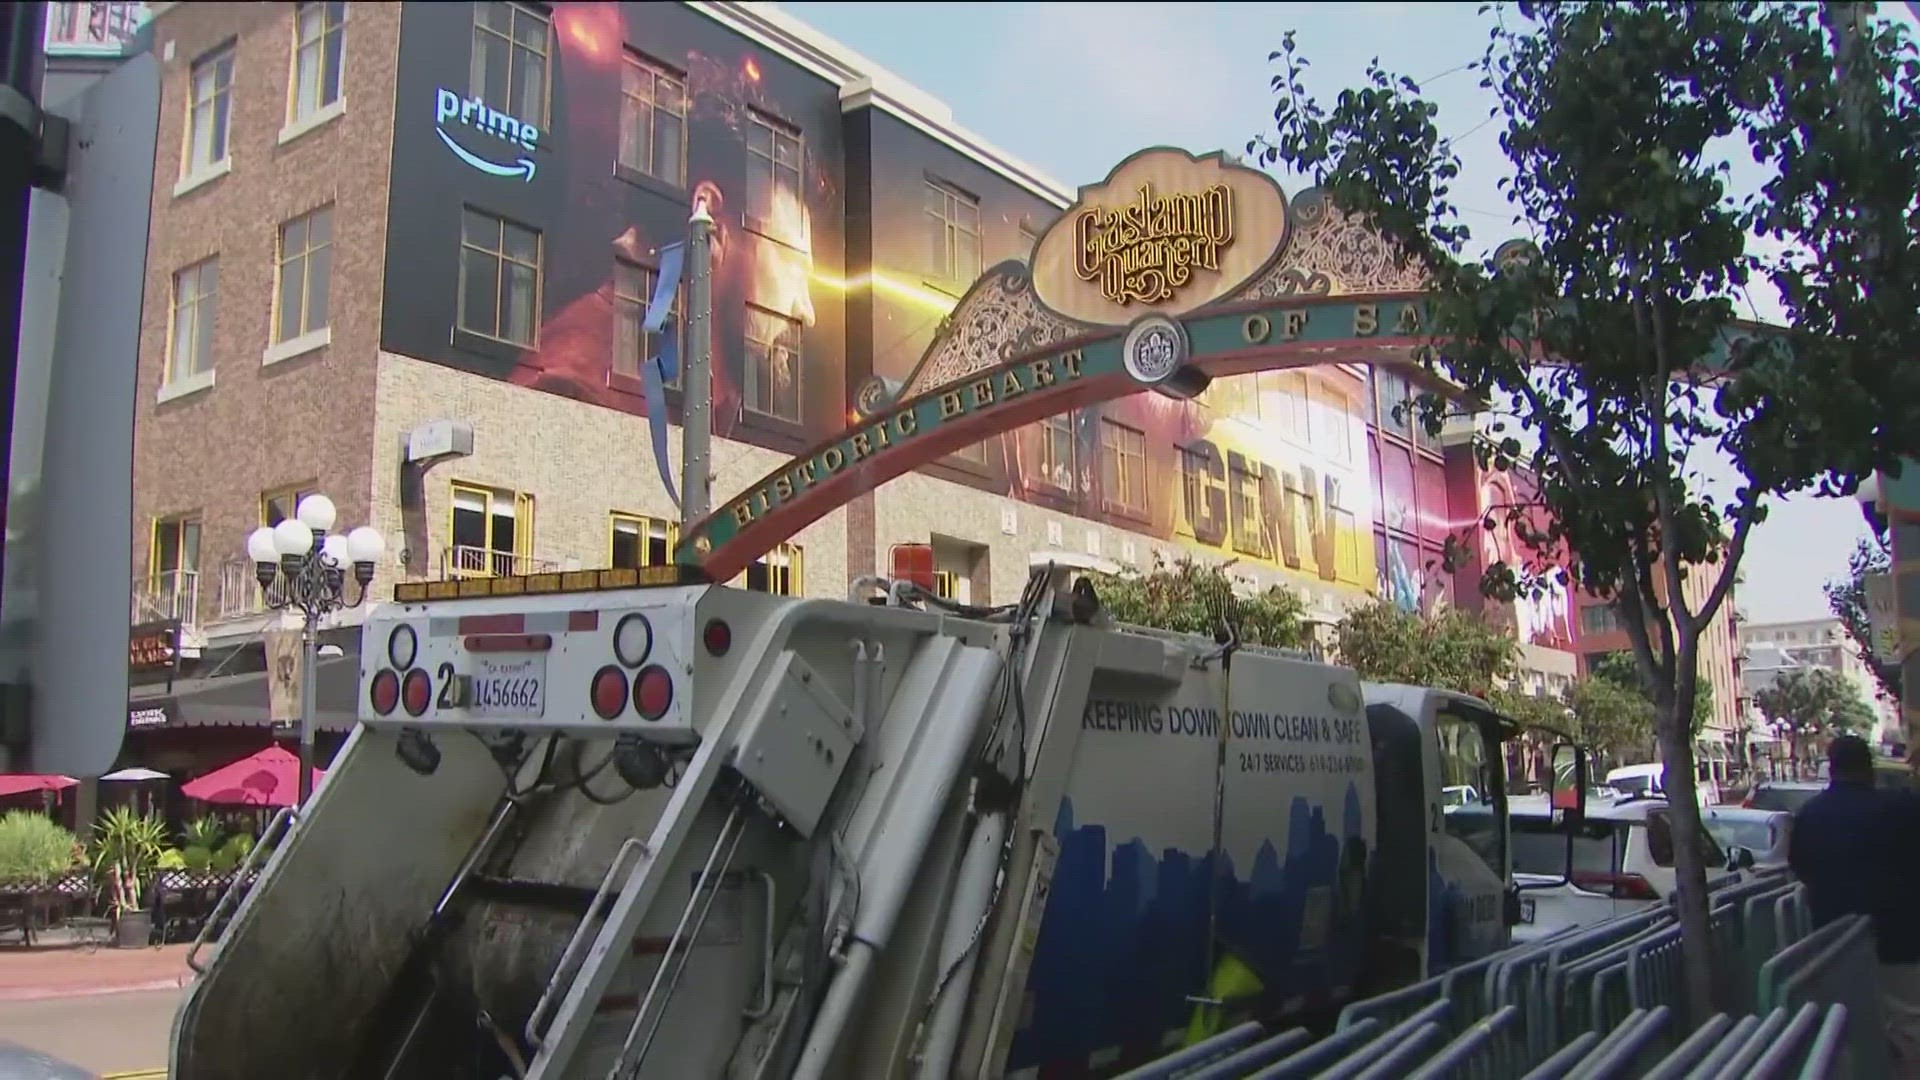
(1466, 772)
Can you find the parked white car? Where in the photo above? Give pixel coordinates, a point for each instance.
(1622, 862)
(1650, 781)
(1766, 833)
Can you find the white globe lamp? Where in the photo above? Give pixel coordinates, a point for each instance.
(316, 512)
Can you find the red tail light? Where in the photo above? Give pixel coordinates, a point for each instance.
(384, 694)
(1618, 886)
(1747, 802)
(718, 637)
(653, 692)
(609, 692)
(416, 691)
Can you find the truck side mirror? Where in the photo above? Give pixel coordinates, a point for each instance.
(1570, 784)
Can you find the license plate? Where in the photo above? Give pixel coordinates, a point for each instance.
(508, 687)
(1526, 911)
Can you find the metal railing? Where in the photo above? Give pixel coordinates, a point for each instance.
(460, 561)
(240, 593)
(170, 594)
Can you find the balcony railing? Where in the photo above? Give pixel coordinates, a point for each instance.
(462, 562)
(240, 595)
(171, 594)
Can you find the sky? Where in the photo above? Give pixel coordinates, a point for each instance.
(1072, 88)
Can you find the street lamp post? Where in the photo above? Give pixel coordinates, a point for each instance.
(309, 561)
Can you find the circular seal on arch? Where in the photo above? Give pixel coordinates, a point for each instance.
(1154, 348)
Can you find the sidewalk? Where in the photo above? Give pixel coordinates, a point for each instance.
(57, 970)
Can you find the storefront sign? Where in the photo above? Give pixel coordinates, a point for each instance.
(153, 647)
(149, 717)
(1166, 233)
(283, 676)
(474, 115)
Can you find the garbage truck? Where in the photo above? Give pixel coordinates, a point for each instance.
(628, 824)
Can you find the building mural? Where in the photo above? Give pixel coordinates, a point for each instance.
(538, 207)
(1548, 618)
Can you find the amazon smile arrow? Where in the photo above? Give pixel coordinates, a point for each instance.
(524, 167)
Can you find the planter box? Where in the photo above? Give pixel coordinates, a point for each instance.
(134, 930)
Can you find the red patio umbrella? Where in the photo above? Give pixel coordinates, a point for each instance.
(21, 783)
(268, 778)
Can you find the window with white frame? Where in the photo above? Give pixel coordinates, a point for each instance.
(319, 32)
(174, 558)
(303, 276)
(773, 365)
(499, 278)
(953, 232)
(512, 44)
(633, 287)
(774, 161)
(653, 122)
(208, 111)
(190, 345)
(779, 572)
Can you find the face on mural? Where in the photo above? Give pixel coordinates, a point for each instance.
(762, 296)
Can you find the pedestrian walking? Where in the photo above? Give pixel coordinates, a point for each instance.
(1851, 846)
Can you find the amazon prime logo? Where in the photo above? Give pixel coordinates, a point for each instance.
(472, 113)
(1154, 349)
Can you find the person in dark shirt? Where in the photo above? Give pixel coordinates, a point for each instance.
(1849, 847)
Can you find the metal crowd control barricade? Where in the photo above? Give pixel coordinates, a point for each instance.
(1183, 1062)
(1834, 965)
(1522, 978)
(1761, 932)
(1626, 1049)
(1363, 1059)
(1487, 1050)
(1570, 988)
(1310, 1060)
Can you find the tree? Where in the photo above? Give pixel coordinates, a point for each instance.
(1847, 598)
(1191, 597)
(1616, 720)
(1623, 671)
(1451, 649)
(1812, 704)
(1611, 337)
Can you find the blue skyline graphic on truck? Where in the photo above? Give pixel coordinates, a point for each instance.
(1120, 951)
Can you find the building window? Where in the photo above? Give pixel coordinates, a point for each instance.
(174, 558)
(653, 122)
(207, 111)
(304, 275)
(190, 347)
(318, 33)
(1029, 240)
(499, 278)
(634, 541)
(511, 44)
(278, 506)
(1598, 619)
(1123, 463)
(1393, 411)
(632, 290)
(953, 222)
(1194, 471)
(1247, 536)
(1058, 450)
(774, 156)
(779, 572)
(773, 365)
(492, 533)
(975, 454)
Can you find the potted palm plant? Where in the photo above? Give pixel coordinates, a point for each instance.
(127, 850)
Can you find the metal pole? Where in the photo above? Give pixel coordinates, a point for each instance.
(696, 408)
(309, 653)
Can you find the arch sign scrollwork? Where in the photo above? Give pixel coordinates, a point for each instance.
(1173, 271)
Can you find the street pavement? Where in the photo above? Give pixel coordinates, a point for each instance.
(87, 1035)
